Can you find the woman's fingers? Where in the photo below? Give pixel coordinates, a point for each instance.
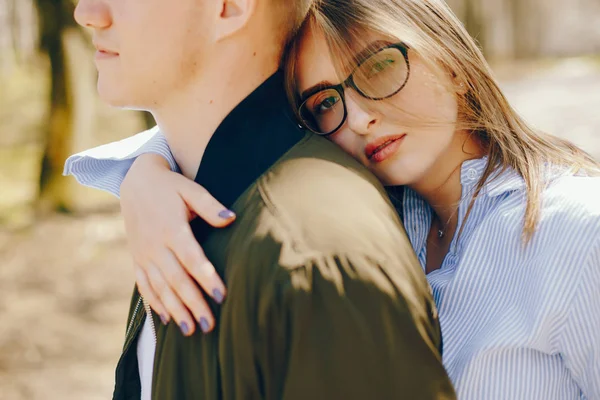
(163, 244)
(204, 205)
(186, 290)
(149, 295)
(171, 301)
(191, 256)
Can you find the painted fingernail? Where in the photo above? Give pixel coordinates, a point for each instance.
(218, 296)
(164, 319)
(184, 328)
(204, 325)
(226, 214)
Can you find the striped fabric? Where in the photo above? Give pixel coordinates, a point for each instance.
(519, 323)
(104, 167)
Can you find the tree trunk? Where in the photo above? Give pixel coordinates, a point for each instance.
(56, 17)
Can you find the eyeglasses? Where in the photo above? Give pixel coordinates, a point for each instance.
(379, 76)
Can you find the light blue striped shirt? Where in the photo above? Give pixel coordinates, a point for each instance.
(518, 323)
(104, 167)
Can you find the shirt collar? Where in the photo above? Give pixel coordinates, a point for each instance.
(499, 182)
(417, 213)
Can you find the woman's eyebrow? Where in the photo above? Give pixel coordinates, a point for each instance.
(315, 88)
(363, 54)
(358, 58)
(369, 49)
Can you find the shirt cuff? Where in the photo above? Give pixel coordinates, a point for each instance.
(104, 167)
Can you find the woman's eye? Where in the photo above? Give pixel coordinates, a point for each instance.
(379, 67)
(326, 104)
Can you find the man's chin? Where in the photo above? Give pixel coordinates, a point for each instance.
(117, 97)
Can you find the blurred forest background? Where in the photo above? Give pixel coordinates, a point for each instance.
(65, 275)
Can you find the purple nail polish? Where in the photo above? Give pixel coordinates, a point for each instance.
(226, 214)
(218, 296)
(184, 328)
(204, 325)
(164, 319)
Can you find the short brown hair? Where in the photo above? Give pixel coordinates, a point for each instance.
(290, 15)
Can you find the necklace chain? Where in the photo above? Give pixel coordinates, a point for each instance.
(442, 231)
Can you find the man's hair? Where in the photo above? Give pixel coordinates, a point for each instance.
(290, 15)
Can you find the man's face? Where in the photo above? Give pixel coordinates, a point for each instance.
(147, 49)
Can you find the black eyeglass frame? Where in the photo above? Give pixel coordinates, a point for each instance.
(349, 83)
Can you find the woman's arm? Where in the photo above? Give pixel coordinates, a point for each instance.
(157, 205)
(104, 167)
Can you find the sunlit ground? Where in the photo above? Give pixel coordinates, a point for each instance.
(65, 283)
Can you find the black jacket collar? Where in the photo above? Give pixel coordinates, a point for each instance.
(251, 139)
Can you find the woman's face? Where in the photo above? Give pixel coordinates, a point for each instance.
(405, 139)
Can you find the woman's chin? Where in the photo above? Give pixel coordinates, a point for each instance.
(393, 180)
(396, 174)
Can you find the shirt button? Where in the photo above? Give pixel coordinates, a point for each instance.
(472, 174)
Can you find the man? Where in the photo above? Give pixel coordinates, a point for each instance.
(326, 298)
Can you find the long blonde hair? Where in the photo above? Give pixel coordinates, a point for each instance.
(431, 30)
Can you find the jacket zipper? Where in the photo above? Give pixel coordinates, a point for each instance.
(150, 319)
(135, 311)
(120, 375)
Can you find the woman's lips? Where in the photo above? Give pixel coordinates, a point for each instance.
(382, 148)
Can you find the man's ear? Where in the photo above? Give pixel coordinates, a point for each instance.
(233, 17)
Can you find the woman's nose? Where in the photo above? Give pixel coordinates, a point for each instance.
(361, 119)
(93, 14)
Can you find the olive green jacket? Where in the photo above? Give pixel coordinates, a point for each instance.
(326, 299)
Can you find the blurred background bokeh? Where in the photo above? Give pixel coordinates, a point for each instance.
(65, 275)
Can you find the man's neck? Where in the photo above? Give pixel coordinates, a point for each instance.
(190, 119)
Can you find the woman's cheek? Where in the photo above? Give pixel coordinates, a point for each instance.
(343, 140)
(348, 142)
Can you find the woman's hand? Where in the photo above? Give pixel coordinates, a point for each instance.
(157, 206)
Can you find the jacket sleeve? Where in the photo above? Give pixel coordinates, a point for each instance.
(104, 167)
(337, 327)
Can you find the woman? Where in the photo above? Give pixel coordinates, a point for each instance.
(504, 220)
